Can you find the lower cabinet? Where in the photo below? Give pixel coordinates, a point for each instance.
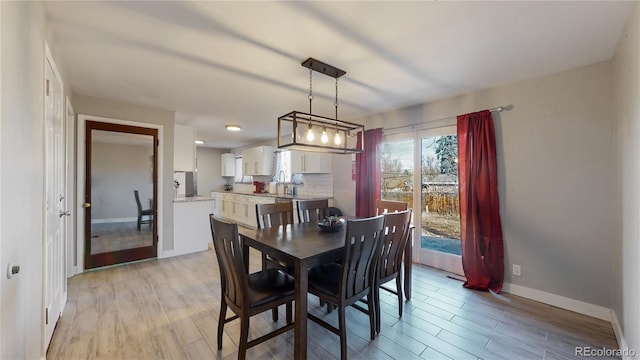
(239, 208)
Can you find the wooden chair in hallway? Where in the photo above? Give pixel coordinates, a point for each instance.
(247, 294)
(142, 212)
(345, 284)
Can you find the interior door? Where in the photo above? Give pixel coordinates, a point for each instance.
(55, 194)
(121, 161)
(438, 211)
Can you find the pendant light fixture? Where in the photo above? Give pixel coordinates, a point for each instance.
(342, 132)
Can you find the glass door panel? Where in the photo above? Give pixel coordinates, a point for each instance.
(439, 210)
(397, 170)
(121, 192)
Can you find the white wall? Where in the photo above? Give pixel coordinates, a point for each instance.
(22, 159)
(124, 111)
(117, 170)
(555, 174)
(209, 178)
(626, 266)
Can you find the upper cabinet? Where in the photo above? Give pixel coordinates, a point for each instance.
(184, 148)
(306, 162)
(228, 164)
(257, 161)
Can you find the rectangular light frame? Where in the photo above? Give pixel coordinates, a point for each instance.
(297, 119)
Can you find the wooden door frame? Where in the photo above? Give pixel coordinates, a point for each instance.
(81, 174)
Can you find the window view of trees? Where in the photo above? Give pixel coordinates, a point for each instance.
(440, 200)
(438, 186)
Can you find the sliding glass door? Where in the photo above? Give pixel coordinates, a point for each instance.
(421, 168)
(439, 210)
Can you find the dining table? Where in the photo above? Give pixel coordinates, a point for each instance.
(302, 246)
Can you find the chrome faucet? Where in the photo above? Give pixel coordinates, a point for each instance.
(284, 186)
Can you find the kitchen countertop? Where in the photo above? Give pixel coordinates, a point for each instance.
(192, 198)
(280, 196)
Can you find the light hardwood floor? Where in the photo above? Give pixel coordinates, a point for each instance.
(107, 237)
(168, 309)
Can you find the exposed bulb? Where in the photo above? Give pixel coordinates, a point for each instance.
(337, 139)
(310, 135)
(324, 138)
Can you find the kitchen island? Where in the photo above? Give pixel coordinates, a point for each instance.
(191, 229)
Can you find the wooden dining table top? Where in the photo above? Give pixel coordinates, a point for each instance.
(295, 241)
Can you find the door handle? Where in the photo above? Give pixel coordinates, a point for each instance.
(65, 213)
(86, 205)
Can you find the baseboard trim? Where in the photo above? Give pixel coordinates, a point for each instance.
(117, 220)
(617, 330)
(578, 306)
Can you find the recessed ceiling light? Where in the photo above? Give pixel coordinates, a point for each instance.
(199, 142)
(233, 127)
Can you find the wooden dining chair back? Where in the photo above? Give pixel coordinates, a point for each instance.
(274, 214)
(142, 212)
(312, 210)
(247, 295)
(388, 206)
(397, 227)
(344, 284)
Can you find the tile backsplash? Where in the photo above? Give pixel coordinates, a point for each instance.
(313, 185)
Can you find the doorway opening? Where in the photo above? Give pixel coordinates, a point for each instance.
(121, 191)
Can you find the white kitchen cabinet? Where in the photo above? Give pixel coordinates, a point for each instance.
(228, 164)
(238, 207)
(258, 161)
(184, 148)
(305, 162)
(217, 205)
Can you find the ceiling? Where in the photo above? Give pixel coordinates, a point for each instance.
(217, 63)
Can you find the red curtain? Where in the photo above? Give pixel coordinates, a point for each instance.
(480, 227)
(368, 173)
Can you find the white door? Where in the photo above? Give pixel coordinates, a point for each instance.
(55, 194)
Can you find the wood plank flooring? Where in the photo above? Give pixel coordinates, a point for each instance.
(107, 237)
(168, 309)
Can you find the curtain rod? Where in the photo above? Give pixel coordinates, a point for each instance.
(495, 109)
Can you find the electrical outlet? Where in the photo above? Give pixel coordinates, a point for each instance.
(517, 270)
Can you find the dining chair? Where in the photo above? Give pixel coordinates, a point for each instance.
(272, 215)
(344, 284)
(397, 227)
(143, 212)
(384, 206)
(247, 295)
(312, 210)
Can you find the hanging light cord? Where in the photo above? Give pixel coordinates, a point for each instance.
(336, 103)
(310, 89)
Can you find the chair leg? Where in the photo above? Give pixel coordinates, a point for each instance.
(399, 288)
(289, 313)
(139, 222)
(244, 338)
(223, 315)
(343, 332)
(376, 302)
(274, 314)
(374, 319)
